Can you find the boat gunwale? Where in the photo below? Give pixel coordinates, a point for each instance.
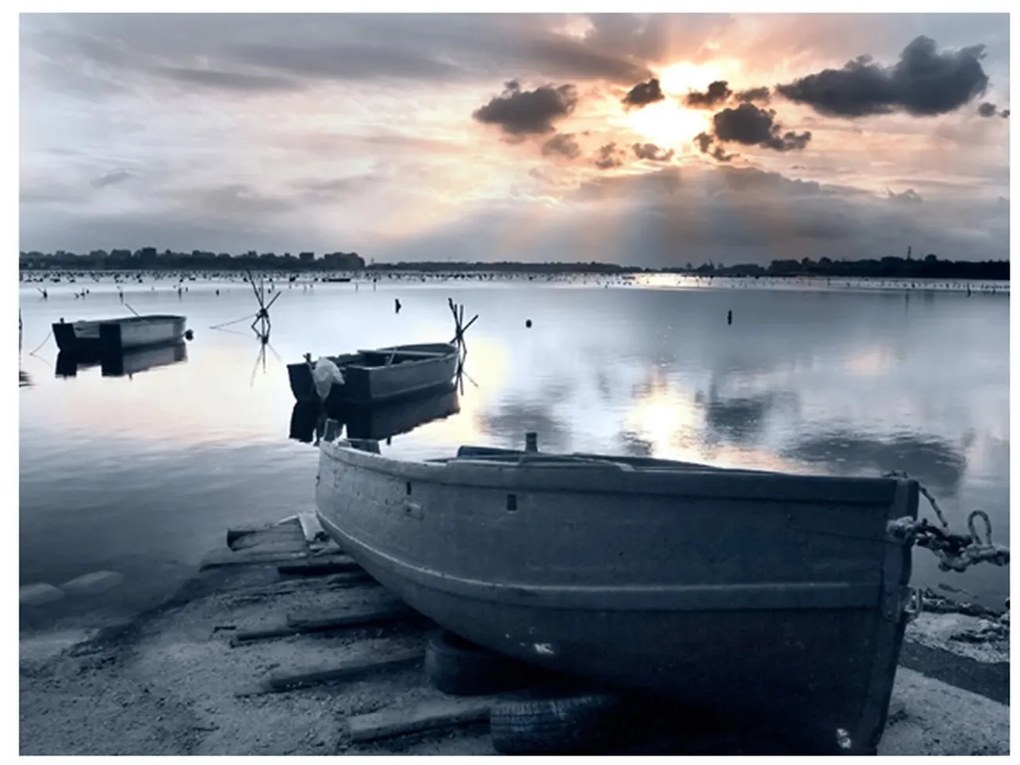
(688, 483)
(129, 320)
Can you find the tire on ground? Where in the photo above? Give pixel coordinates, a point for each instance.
(461, 668)
(563, 724)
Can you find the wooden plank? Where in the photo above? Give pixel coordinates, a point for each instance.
(429, 715)
(347, 670)
(321, 567)
(260, 540)
(324, 584)
(216, 560)
(339, 621)
(299, 625)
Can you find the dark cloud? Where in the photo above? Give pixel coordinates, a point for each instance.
(753, 94)
(563, 145)
(609, 156)
(991, 110)
(643, 93)
(522, 112)
(909, 197)
(717, 93)
(652, 152)
(235, 81)
(751, 126)
(111, 179)
(923, 82)
(708, 146)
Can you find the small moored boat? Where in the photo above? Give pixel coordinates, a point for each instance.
(778, 600)
(117, 335)
(129, 363)
(377, 375)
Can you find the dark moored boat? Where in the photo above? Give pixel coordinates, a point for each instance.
(379, 422)
(779, 600)
(380, 375)
(117, 335)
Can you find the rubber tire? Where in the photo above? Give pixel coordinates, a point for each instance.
(560, 723)
(458, 667)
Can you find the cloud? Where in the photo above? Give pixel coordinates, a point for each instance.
(568, 57)
(652, 152)
(609, 156)
(754, 94)
(717, 93)
(521, 112)
(708, 146)
(344, 61)
(923, 82)
(991, 110)
(909, 196)
(722, 213)
(563, 145)
(235, 81)
(643, 93)
(751, 126)
(111, 179)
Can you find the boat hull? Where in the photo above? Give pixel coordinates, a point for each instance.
(118, 335)
(128, 363)
(772, 598)
(368, 379)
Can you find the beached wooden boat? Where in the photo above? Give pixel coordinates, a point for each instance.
(117, 335)
(380, 375)
(778, 600)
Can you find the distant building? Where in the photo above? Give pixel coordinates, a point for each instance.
(306, 257)
(344, 261)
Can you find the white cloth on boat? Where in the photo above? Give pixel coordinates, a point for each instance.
(324, 374)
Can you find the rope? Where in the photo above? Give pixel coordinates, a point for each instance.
(235, 321)
(131, 309)
(48, 335)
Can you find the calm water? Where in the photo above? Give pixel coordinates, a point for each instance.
(143, 474)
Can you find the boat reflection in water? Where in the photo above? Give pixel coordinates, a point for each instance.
(379, 422)
(120, 364)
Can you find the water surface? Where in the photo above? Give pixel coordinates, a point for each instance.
(142, 474)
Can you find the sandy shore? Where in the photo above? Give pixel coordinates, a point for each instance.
(169, 682)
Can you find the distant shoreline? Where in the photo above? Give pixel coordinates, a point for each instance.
(887, 268)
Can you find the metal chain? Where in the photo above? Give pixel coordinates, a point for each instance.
(956, 552)
(927, 495)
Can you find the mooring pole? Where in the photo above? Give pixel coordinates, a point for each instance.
(531, 442)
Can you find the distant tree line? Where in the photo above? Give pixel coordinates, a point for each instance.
(929, 267)
(509, 266)
(148, 258)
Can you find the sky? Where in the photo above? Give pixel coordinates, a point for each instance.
(652, 140)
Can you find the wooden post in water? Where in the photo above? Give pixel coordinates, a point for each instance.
(531, 442)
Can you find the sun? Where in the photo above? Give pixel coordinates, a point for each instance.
(666, 123)
(681, 77)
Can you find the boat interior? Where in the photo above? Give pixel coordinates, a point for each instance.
(536, 459)
(386, 357)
